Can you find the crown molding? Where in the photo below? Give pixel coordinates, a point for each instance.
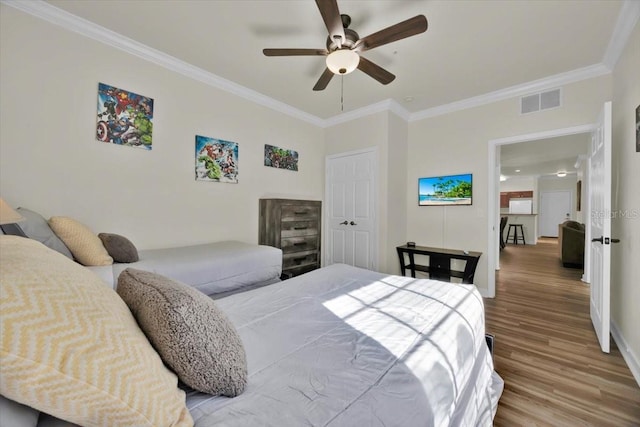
(627, 19)
(56, 16)
(388, 105)
(515, 91)
(399, 110)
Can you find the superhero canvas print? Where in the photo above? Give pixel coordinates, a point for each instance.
(216, 160)
(281, 158)
(124, 118)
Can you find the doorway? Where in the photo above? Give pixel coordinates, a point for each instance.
(493, 211)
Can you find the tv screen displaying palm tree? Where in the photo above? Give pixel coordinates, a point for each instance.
(445, 190)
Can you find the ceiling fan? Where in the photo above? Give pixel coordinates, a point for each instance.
(344, 45)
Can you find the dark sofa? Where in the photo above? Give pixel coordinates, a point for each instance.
(571, 244)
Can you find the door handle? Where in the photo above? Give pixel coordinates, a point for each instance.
(343, 223)
(353, 223)
(605, 240)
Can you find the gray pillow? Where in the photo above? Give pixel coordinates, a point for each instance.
(119, 247)
(14, 414)
(47, 420)
(191, 334)
(37, 228)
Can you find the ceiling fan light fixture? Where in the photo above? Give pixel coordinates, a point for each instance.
(343, 61)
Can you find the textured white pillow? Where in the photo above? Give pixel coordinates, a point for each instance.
(86, 247)
(71, 348)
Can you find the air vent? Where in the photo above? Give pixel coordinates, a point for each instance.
(540, 101)
(530, 104)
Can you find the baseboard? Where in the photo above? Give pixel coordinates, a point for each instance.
(484, 293)
(627, 354)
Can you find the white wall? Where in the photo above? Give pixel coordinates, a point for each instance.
(458, 143)
(388, 134)
(397, 195)
(50, 161)
(625, 269)
(524, 183)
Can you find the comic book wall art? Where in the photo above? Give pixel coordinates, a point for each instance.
(124, 118)
(216, 160)
(280, 158)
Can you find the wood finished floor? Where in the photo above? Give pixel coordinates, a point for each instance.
(546, 350)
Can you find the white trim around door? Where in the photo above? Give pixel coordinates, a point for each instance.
(493, 205)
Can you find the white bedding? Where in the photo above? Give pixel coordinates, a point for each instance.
(212, 268)
(342, 346)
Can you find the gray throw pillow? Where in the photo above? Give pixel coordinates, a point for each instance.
(37, 228)
(119, 247)
(191, 334)
(14, 414)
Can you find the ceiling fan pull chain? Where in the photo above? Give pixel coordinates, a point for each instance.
(342, 93)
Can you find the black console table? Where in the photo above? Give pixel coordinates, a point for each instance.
(439, 267)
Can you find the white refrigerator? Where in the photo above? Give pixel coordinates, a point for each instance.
(520, 206)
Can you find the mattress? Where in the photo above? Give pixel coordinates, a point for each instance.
(213, 268)
(342, 346)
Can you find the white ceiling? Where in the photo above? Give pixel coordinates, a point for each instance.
(545, 157)
(471, 48)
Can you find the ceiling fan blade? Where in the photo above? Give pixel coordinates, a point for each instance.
(331, 17)
(404, 29)
(375, 71)
(295, 52)
(324, 80)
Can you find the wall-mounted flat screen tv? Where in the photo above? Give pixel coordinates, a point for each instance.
(445, 190)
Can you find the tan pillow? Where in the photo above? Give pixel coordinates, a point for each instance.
(86, 247)
(71, 348)
(191, 334)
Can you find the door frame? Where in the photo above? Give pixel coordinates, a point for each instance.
(376, 206)
(493, 196)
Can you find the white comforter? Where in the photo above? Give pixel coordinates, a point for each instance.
(342, 346)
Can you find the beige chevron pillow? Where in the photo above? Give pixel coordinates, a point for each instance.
(86, 247)
(70, 347)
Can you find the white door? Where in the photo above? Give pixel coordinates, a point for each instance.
(600, 225)
(555, 207)
(350, 209)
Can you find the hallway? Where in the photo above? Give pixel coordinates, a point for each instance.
(546, 349)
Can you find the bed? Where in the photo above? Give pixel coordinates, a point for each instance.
(342, 346)
(218, 268)
(338, 346)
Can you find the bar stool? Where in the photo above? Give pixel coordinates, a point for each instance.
(516, 237)
(503, 223)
